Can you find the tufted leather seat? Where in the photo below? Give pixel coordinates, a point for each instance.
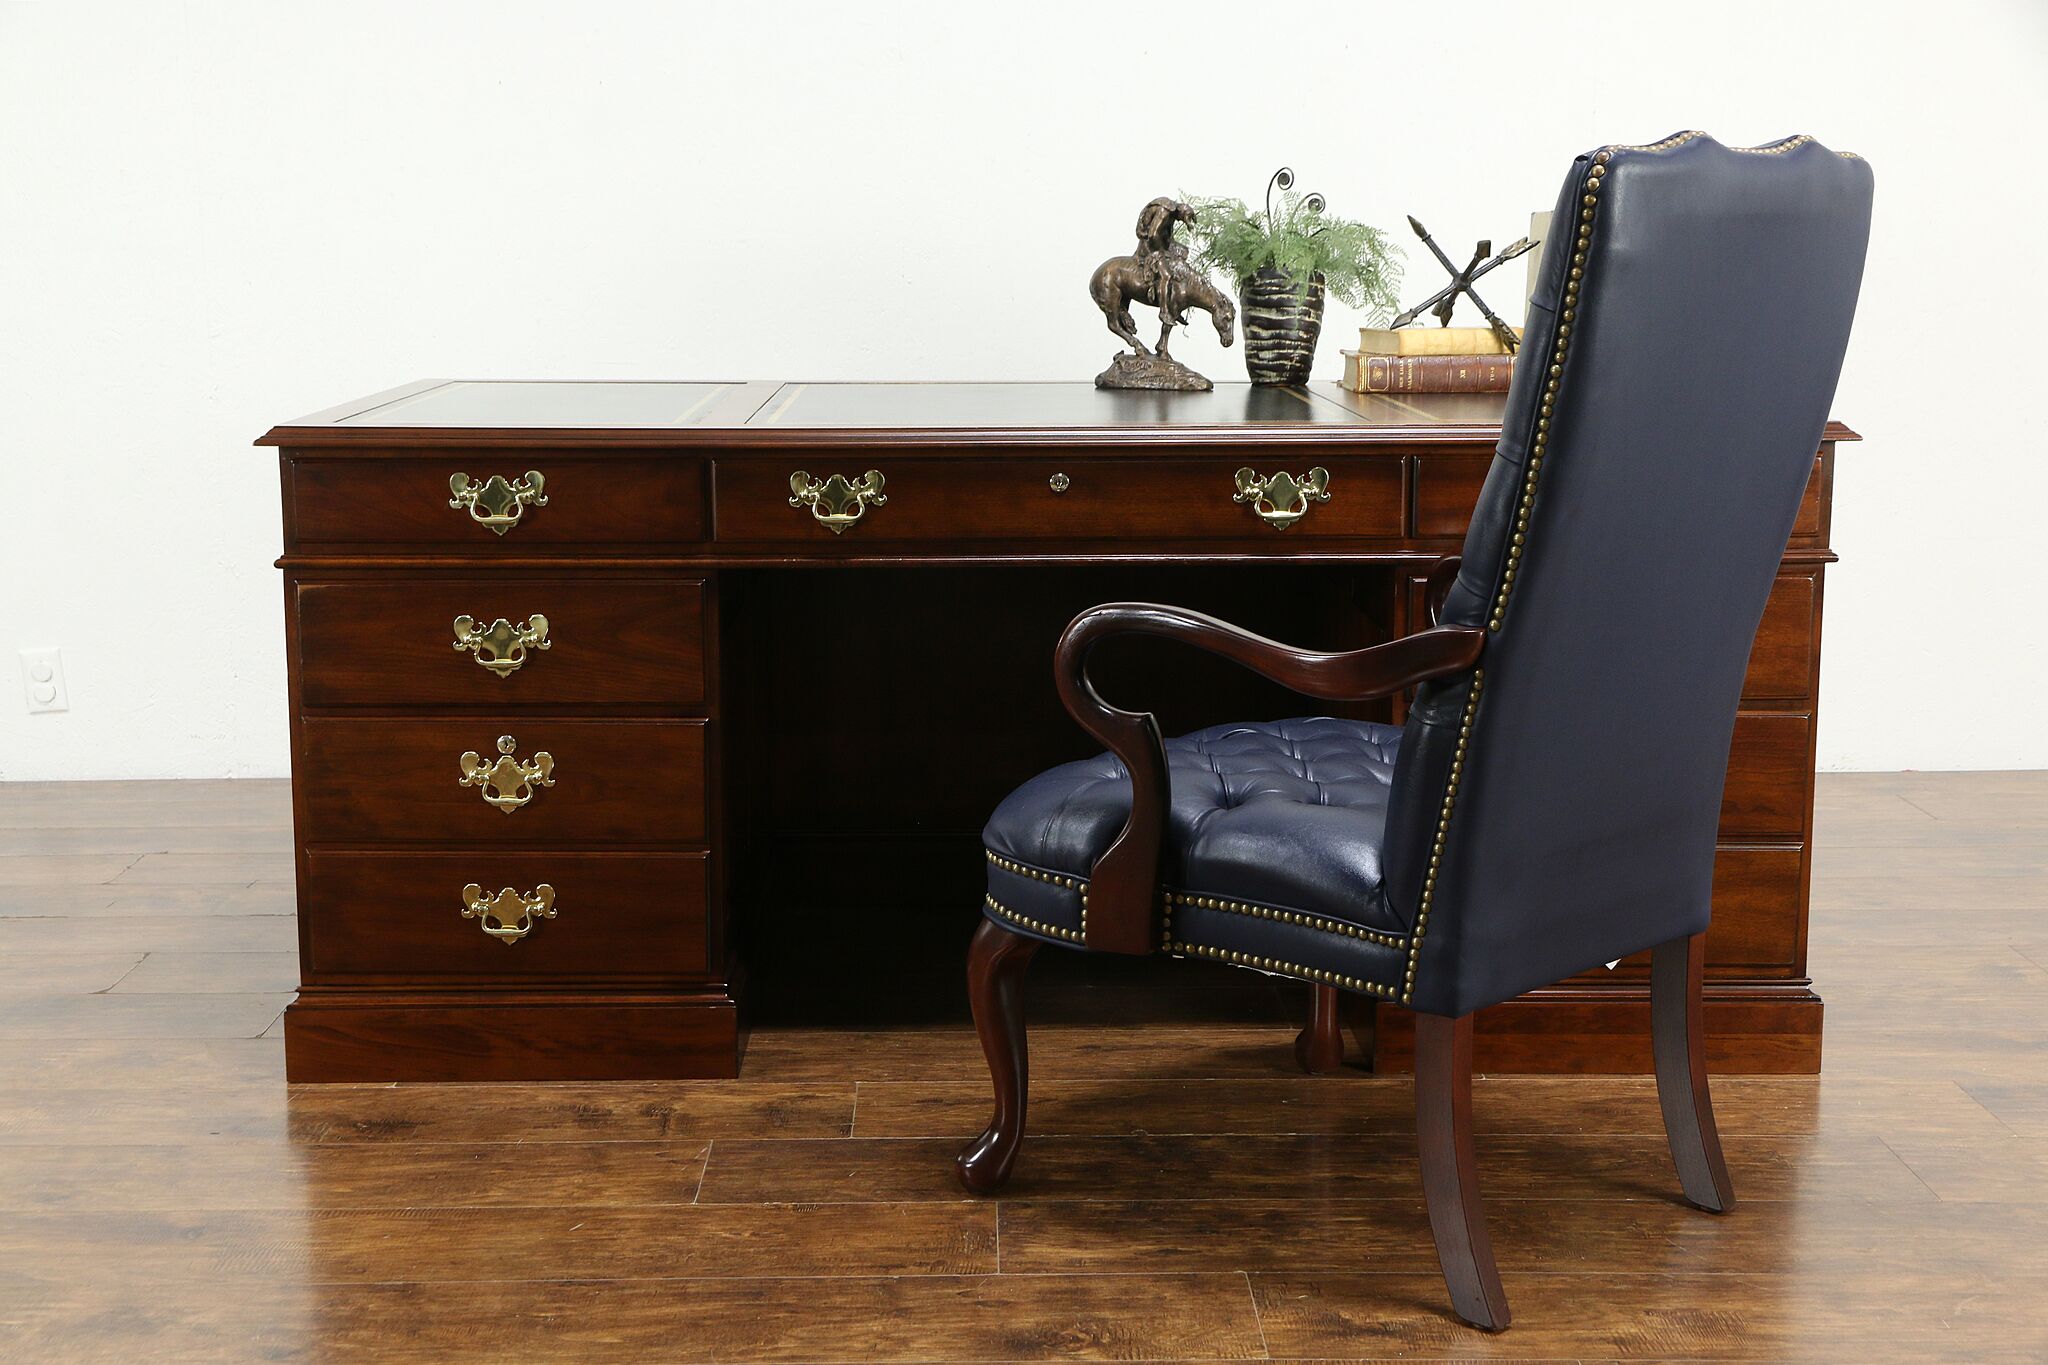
(1273, 845)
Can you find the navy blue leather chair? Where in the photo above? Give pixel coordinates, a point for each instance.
(1552, 801)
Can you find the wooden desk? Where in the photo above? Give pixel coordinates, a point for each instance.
(775, 726)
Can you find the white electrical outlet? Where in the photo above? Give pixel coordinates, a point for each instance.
(42, 680)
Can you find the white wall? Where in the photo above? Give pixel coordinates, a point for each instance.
(218, 216)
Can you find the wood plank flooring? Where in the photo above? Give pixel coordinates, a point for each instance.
(1185, 1193)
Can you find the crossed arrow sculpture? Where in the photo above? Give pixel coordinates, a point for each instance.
(1444, 300)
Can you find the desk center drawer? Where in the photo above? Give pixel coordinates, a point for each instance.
(828, 498)
(501, 780)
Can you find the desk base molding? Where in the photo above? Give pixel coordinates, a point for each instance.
(354, 1037)
(1752, 1029)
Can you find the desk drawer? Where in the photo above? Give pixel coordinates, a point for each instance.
(1757, 913)
(616, 501)
(1781, 659)
(401, 915)
(608, 642)
(613, 781)
(1085, 497)
(1770, 777)
(1811, 525)
(1447, 489)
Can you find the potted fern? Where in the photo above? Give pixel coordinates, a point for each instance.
(1283, 263)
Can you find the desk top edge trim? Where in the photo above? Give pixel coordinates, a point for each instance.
(746, 414)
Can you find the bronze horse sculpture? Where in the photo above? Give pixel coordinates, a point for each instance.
(1157, 275)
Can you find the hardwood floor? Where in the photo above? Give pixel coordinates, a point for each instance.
(1185, 1193)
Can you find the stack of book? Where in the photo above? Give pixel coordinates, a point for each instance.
(1428, 360)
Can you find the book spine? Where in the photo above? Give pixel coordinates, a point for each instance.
(1428, 373)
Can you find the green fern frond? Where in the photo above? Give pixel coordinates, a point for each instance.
(1360, 265)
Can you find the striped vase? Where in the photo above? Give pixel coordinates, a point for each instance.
(1281, 324)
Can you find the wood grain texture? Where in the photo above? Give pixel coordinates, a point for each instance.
(628, 643)
(403, 502)
(591, 1034)
(349, 1175)
(1185, 1193)
(1770, 772)
(399, 916)
(1516, 1166)
(397, 780)
(1135, 1106)
(425, 1245)
(906, 1319)
(971, 498)
(1929, 1317)
(236, 1099)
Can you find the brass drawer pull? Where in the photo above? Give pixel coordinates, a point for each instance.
(508, 916)
(506, 782)
(1282, 499)
(835, 503)
(497, 502)
(501, 646)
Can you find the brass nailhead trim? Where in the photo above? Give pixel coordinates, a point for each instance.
(1443, 829)
(1596, 175)
(1167, 943)
(1676, 139)
(1270, 964)
(1776, 148)
(1055, 879)
(1035, 926)
(1767, 149)
(1590, 197)
(1330, 926)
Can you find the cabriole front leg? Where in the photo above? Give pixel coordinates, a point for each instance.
(995, 989)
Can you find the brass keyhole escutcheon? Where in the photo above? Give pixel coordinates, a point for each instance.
(497, 502)
(1281, 499)
(508, 916)
(506, 782)
(837, 502)
(501, 646)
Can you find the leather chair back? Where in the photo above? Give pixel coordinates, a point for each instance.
(1558, 808)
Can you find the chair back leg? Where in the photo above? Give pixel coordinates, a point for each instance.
(995, 989)
(1450, 1170)
(1678, 1032)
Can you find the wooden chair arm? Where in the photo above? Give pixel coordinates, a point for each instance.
(1437, 586)
(1123, 891)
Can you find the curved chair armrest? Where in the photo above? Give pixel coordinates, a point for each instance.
(1437, 586)
(1123, 892)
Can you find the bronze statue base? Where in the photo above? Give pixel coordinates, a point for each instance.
(1129, 371)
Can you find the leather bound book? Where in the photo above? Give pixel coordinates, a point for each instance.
(1427, 340)
(1427, 373)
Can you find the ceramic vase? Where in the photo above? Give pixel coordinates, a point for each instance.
(1282, 321)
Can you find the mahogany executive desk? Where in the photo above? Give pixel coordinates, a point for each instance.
(778, 697)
